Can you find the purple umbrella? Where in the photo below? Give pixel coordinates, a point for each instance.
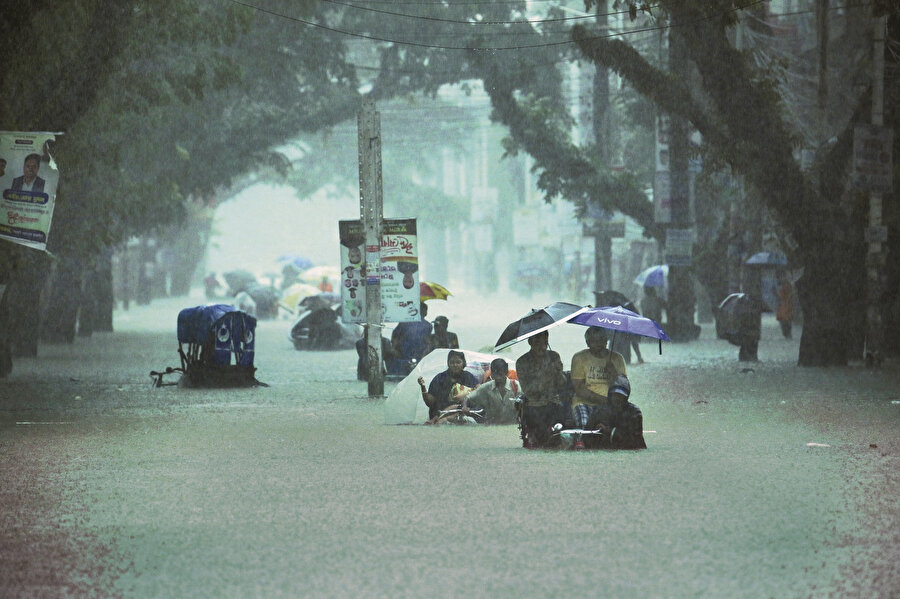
(622, 320)
(654, 276)
(767, 259)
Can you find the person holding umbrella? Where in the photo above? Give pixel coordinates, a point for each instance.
(593, 370)
(439, 393)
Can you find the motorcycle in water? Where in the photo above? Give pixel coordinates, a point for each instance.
(320, 329)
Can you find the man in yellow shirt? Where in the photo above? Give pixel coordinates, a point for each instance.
(593, 369)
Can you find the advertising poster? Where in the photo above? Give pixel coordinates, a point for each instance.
(399, 276)
(679, 247)
(873, 162)
(28, 181)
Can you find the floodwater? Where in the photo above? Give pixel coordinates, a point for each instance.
(760, 480)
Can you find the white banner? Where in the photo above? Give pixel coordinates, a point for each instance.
(28, 180)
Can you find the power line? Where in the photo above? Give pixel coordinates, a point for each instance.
(457, 21)
(479, 48)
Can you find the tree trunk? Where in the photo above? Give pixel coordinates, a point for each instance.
(6, 363)
(103, 294)
(25, 302)
(63, 303)
(190, 242)
(833, 308)
(87, 311)
(682, 301)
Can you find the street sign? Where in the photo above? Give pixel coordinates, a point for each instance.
(873, 158)
(679, 247)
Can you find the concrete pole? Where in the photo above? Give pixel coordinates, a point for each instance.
(371, 214)
(875, 259)
(602, 240)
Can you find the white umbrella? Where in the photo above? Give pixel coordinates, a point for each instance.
(404, 404)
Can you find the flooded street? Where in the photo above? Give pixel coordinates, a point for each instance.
(760, 479)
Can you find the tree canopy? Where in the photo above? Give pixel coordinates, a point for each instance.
(165, 105)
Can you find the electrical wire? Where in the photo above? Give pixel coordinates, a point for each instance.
(480, 48)
(456, 21)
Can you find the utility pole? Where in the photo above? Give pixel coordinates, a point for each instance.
(602, 240)
(371, 214)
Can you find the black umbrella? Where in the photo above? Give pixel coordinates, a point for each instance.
(609, 297)
(735, 313)
(537, 321)
(320, 300)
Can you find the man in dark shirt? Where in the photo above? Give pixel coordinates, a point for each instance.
(544, 384)
(410, 342)
(362, 351)
(441, 336)
(29, 180)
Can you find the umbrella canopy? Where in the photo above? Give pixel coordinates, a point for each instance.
(741, 303)
(320, 300)
(767, 259)
(537, 321)
(404, 404)
(430, 291)
(619, 319)
(613, 298)
(654, 276)
(297, 292)
(315, 274)
(296, 261)
(239, 280)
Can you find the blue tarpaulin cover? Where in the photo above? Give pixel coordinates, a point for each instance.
(233, 330)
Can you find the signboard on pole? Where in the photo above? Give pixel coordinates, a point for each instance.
(28, 180)
(662, 197)
(679, 247)
(873, 158)
(399, 276)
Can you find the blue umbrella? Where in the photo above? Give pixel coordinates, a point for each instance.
(299, 262)
(767, 259)
(619, 319)
(654, 276)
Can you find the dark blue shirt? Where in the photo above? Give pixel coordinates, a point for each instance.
(441, 385)
(413, 338)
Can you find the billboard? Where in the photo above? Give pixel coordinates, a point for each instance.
(28, 182)
(399, 276)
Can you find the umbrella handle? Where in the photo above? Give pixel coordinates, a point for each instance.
(609, 353)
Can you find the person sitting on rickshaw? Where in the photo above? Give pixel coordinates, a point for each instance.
(496, 396)
(437, 396)
(620, 420)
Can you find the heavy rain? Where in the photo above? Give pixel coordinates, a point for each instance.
(244, 244)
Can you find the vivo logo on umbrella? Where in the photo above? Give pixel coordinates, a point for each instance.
(609, 321)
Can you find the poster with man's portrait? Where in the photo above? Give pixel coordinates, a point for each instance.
(28, 181)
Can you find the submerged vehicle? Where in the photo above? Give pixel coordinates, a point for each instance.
(319, 327)
(216, 343)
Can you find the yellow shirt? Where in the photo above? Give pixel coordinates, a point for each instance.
(593, 371)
